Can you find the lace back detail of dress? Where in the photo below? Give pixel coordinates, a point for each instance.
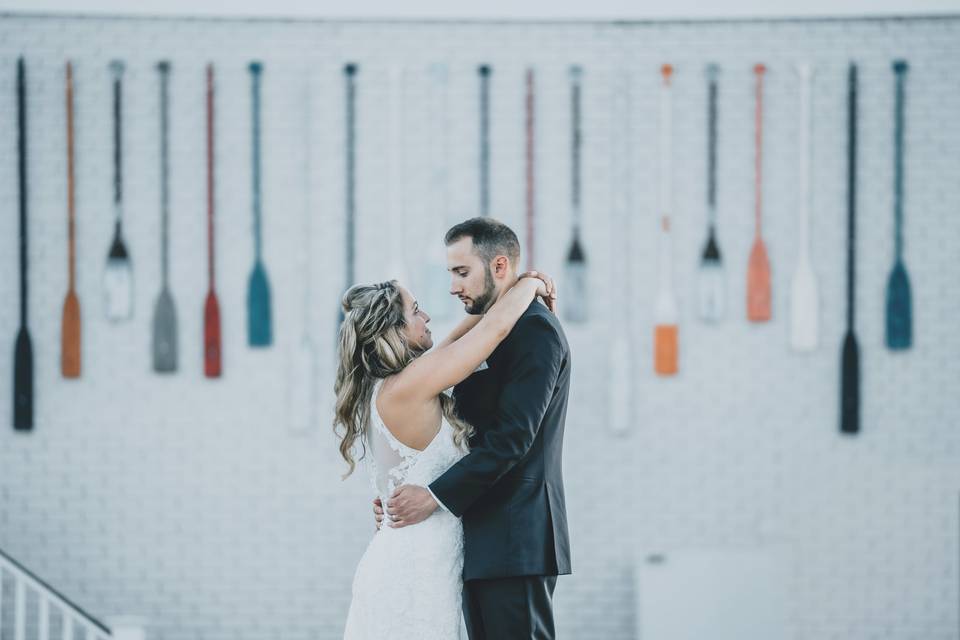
(392, 463)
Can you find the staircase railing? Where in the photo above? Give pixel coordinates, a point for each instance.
(73, 617)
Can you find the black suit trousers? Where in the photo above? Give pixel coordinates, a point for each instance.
(515, 608)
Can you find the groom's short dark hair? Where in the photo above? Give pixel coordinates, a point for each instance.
(491, 238)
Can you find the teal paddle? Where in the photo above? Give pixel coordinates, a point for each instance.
(164, 312)
(899, 311)
(259, 331)
(23, 358)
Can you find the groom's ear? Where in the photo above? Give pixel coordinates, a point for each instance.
(501, 267)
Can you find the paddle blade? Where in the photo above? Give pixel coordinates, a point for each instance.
(211, 337)
(259, 330)
(118, 283)
(899, 309)
(165, 334)
(758, 284)
(70, 337)
(850, 386)
(665, 349)
(575, 284)
(804, 311)
(23, 382)
(710, 290)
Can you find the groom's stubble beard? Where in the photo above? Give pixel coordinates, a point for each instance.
(483, 302)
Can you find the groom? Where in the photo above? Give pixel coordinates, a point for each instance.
(509, 489)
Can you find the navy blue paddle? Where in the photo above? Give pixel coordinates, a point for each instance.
(23, 358)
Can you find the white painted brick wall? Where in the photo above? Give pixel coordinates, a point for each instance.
(191, 501)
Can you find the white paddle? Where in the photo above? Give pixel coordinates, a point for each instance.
(396, 265)
(303, 366)
(804, 307)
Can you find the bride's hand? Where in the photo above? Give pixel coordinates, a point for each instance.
(547, 291)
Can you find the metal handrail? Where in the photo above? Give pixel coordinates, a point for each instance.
(41, 585)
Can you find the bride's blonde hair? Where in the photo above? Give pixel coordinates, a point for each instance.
(372, 345)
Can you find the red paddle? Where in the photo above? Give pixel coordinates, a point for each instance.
(211, 310)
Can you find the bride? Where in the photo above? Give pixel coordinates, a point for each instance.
(392, 402)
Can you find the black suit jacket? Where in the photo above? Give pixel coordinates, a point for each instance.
(509, 488)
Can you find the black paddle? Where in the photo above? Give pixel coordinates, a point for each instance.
(850, 363)
(575, 268)
(23, 360)
(349, 75)
(484, 70)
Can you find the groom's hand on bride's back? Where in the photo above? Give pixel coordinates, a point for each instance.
(408, 505)
(378, 512)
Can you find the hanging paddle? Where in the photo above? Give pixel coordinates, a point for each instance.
(576, 265)
(23, 351)
(211, 309)
(164, 312)
(303, 371)
(118, 275)
(484, 71)
(850, 358)
(530, 173)
(665, 311)
(396, 264)
(758, 270)
(350, 81)
(804, 307)
(435, 281)
(711, 277)
(259, 330)
(70, 347)
(620, 359)
(899, 308)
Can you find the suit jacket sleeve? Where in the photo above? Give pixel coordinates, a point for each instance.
(531, 365)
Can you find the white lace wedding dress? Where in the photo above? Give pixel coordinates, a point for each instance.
(408, 583)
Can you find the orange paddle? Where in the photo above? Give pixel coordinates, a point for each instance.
(70, 328)
(666, 313)
(758, 270)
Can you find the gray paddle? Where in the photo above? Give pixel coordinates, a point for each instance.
(164, 313)
(259, 329)
(899, 309)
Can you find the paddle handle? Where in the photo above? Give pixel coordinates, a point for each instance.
(256, 69)
(163, 68)
(395, 179)
(117, 69)
(666, 126)
(350, 73)
(805, 71)
(530, 169)
(71, 203)
(758, 70)
(900, 68)
(851, 191)
(484, 71)
(713, 73)
(576, 142)
(210, 179)
(22, 176)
